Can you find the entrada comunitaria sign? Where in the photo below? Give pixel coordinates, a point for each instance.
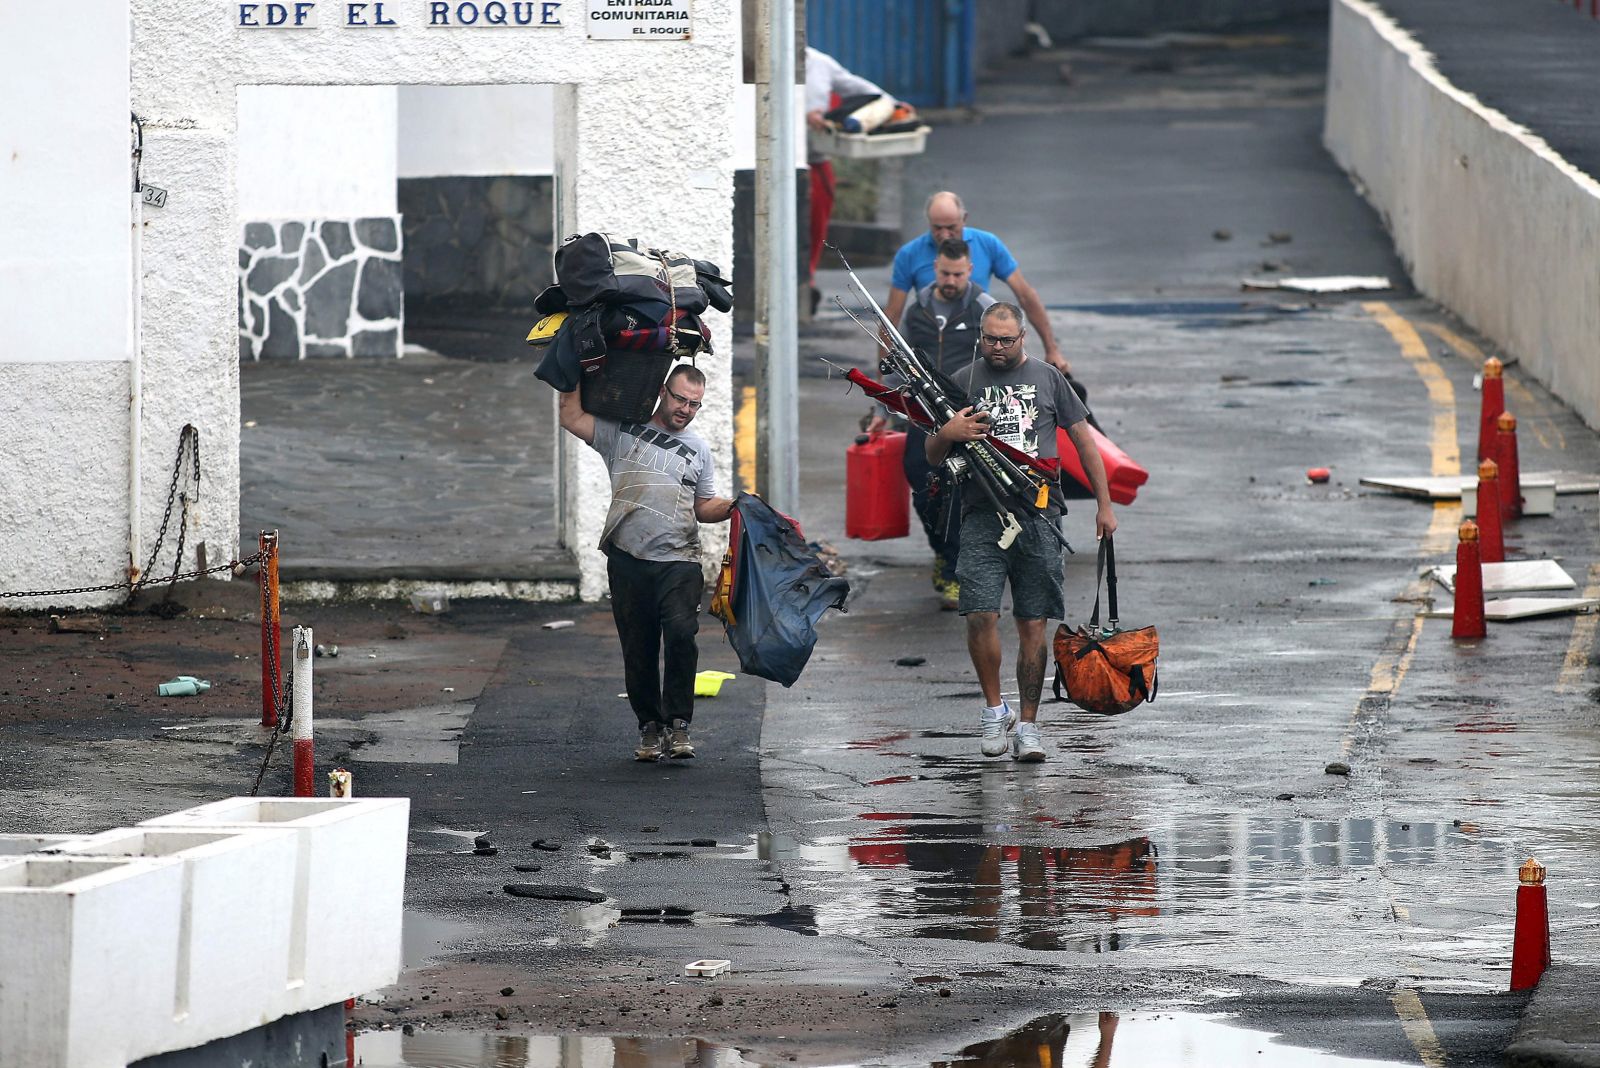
(639, 20)
(380, 14)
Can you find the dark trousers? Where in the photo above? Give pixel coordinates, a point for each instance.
(940, 512)
(656, 605)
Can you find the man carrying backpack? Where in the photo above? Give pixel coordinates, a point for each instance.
(661, 490)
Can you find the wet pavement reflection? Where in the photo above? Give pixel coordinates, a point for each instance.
(1058, 1040)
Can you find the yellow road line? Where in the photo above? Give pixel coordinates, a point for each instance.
(1446, 454)
(1538, 422)
(744, 439)
(1418, 1028)
(1399, 646)
(1576, 666)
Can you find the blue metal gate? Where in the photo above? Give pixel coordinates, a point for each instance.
(922, 51)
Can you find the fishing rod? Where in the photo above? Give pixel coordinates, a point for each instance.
(1005, 486)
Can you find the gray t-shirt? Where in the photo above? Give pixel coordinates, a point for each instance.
(1025, 406)
(656, 476)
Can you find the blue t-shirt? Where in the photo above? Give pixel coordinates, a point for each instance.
(913, 264)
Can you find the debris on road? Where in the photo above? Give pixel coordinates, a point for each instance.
(559, 624)
(1512, 576)
(911, 661)
(1338, 767)
(707, 969)
(327, 650)
(1318, 474)
(77, 625)
(555, 893)
(546, 845)
(1337, 283)
(183, 686)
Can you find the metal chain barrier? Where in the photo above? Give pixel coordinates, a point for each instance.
(188, 450)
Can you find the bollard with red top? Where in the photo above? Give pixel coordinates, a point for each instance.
(304, 757)
(1494, 402)
(1510, 467)
(1466, 621)
(1530, 939)
(1491, 541)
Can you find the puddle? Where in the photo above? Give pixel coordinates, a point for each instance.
(1036, 884)
(425, 937)
(1080, 1040)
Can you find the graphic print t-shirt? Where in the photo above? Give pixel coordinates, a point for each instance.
(655, 477)
(1025, 405)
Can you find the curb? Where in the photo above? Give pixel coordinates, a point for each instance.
(1559, 1028)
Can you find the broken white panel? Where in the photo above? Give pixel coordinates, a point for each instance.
(1514, 576)
(1538, 497)
(348, 890)
(707, 968)
(1334, 283)
(1511, 608)
(1451, 487)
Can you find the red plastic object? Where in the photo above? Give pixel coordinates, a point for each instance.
(1318, 474)
(1124, 476)
(1467, 618)
(877, 502)
(1493, 403)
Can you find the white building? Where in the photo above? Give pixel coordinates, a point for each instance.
(121, 319)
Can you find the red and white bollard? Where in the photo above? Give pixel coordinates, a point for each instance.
(1494, 402)
(304, 778)
(1530, 940)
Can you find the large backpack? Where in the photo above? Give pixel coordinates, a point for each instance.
(602, 269)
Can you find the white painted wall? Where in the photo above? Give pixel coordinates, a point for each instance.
(66, 284)
(1488, 218)
(316, 151)
(618, 98)
(65, 183)
(476, 130)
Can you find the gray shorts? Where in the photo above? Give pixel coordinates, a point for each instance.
(1032, 563)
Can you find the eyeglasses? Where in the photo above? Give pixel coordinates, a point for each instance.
(693, 406)
(1002, 341)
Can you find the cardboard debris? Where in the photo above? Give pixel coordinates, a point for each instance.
(1335, 283)
(1514, 576)
(1450, 487)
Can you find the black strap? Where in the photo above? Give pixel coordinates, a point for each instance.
(1105, 567)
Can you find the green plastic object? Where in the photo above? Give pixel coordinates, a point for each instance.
(184, 686)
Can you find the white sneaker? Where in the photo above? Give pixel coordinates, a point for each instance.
(1025, 745)
(996, 727)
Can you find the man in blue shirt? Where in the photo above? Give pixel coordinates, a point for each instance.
(913, 269)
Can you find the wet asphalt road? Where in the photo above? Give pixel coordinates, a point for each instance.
(884, 893)
(1193, 853)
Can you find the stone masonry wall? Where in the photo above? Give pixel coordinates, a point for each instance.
(320, 287)
(477, 242)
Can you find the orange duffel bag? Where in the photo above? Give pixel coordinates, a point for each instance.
(1107, 670)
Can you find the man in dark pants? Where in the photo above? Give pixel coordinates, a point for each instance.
(941, 322)
(661, 490)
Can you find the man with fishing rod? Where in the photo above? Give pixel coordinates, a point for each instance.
(1020, 401)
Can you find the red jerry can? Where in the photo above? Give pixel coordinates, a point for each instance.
(877, 498)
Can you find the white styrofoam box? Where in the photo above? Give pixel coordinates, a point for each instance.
(1538, 497)
(868, 146)
(88, 959)
(19, 844)
(233, 958)
(348, 891)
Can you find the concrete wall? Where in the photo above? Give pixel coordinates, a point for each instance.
(1068, 19)
(1488, 219)
(66, 285)
(316, 151)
